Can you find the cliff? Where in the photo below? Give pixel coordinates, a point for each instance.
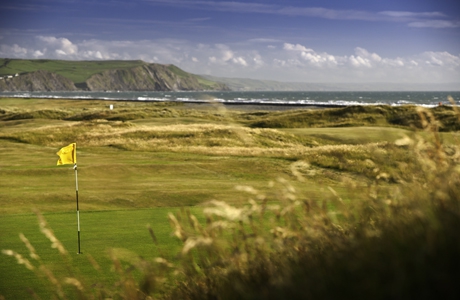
(150, 77)
(57, 75)
(37, 81)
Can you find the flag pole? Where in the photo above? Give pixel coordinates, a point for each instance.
(78, 211)
(68, 155)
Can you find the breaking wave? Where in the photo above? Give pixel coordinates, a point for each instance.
(324, 99)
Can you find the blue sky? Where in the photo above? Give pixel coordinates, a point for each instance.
(359, 41)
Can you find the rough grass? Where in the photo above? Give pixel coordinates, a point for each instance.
(400, 242)
(395, 116)
(329, 213)
(166, 155)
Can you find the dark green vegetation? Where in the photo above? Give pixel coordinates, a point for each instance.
(35, 75)
(352, 116)
(335, 203)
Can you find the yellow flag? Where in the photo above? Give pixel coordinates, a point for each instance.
(67, 155)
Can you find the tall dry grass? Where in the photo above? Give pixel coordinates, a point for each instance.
(400, 242)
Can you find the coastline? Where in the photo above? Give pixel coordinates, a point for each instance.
(242, 106)
(257, 100)
(253, 107)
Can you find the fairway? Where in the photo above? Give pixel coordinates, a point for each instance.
(100, 231)
(112, 179)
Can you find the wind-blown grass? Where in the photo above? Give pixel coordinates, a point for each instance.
(398, 116)
(398, 242)
(124, 231)
(367, 219)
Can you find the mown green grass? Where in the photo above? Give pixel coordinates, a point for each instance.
(352, 135)
(100, 231)
(110, 178)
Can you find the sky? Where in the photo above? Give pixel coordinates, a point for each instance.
(327, 41)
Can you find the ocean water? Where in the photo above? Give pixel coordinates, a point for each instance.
(327, 99)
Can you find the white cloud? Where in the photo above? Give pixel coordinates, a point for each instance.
(283, 61)
(414, 19)
(263, 40)
(366, 54)
(297, 47)
(319, 60)
(94, 55)
(441, 59)
(258, 60)
(326, 13)
(14, 51)
(435, 24)
(408, 14)
(396, 62)
(38, 54)
(62, 46)
(227, 55)
(240, 61)
(18, 50)
(358, 61)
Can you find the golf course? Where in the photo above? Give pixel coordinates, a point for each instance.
(213, 201)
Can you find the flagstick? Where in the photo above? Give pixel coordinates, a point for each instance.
(78, 211)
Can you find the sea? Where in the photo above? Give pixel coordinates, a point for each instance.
(284, 98)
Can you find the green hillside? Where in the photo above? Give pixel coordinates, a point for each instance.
(77, 71)
(110, 75)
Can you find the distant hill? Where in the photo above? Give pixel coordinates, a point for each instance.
(61, 75)
(37, 81)
(137, 75)
(246, 84)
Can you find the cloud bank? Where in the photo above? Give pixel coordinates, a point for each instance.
(257, 58)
